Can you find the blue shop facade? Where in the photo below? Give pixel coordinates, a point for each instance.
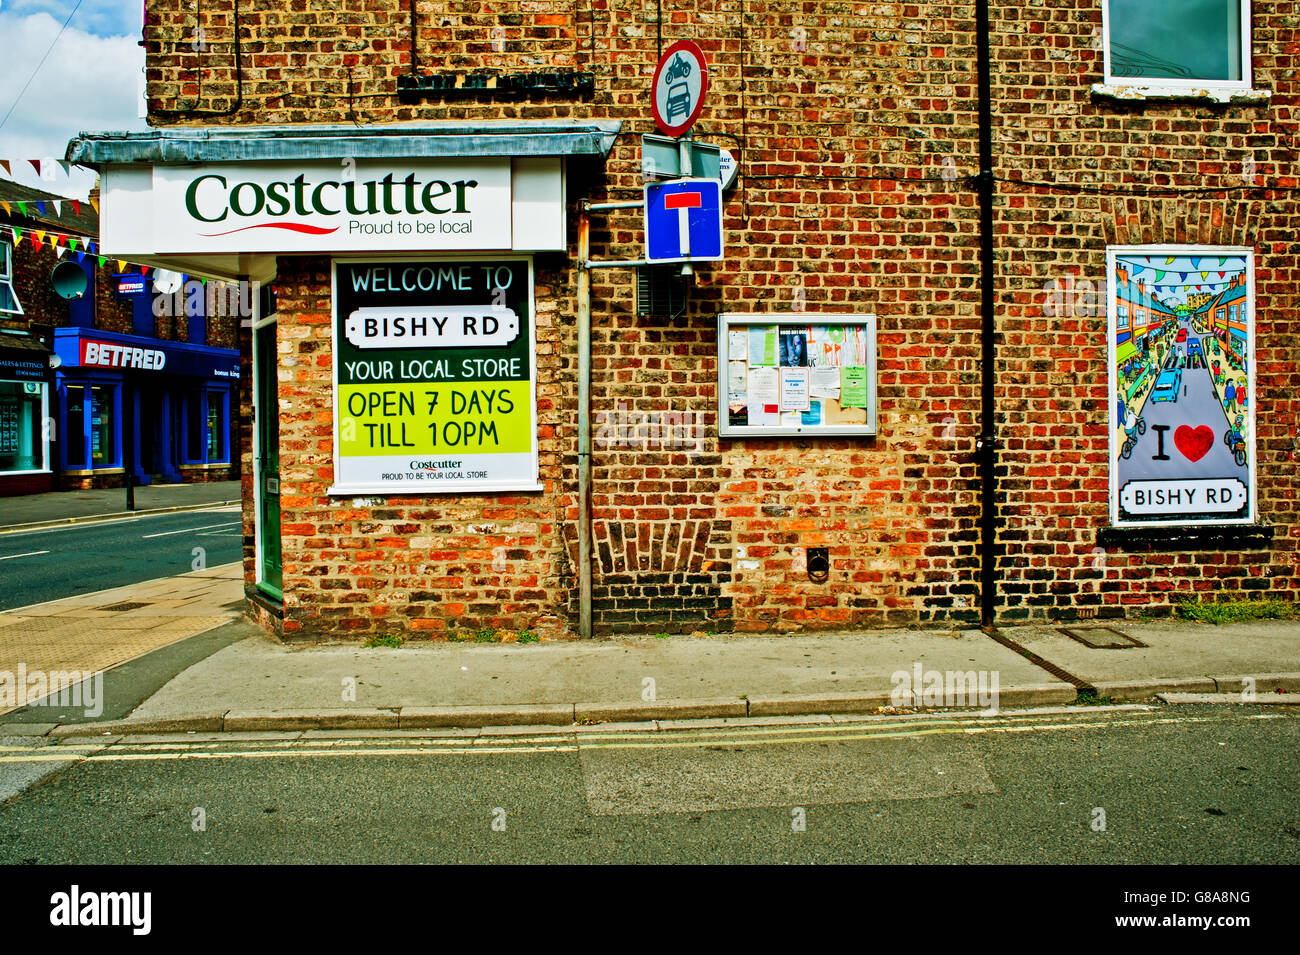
(162, 409)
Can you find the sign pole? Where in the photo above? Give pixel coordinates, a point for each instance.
(128, 439)
(685, 169)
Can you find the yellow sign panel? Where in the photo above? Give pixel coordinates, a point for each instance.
(480, 417)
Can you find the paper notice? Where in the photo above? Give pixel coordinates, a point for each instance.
(794, 389)
(813, 416)
(824, 383)
(855, 345)
(826, 346)
(736, 381)
(737, 342)
(764, 386)
(762, 345)
(853, 387)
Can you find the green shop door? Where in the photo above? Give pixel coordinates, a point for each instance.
(266, 414)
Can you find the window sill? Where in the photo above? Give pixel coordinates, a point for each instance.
(1205, 537)
(1155, 93)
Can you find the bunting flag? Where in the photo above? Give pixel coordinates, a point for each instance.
(58, 251)
(18, 236)
(66, 167)
(6, 208)
(40, 236)
(121, 266)
(144, 270)
(35, 164)
(1159, 275)
(94, 204)
(1170, 260)
(101, 261)
(76, 206)
(1204, 276)
(4, 164)
(58, 208)
(22, 206)
(81, 256)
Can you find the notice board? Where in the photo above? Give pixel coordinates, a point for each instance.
(796, 373)
(434, 376)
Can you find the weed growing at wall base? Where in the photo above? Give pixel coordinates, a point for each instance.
(1232, 611)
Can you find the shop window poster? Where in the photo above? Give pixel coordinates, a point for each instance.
(1182, 385)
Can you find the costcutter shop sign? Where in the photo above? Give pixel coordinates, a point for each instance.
(435, 382)
(317, 207)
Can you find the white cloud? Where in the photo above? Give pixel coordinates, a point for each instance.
(88, 82)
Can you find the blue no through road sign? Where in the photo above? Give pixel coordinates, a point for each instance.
(683, 220)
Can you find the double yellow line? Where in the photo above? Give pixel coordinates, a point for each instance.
(578, 739)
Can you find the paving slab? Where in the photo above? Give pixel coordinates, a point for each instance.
(1175, 650)
(502, 714)
(260, 673)
(26, 729)
(658, 710)
(239, 721)
(199, 722)
(1232, 699)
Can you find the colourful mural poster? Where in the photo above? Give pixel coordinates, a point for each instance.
(1182, 402)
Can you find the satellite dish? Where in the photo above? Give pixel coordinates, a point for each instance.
(69, 280)
(166, 281)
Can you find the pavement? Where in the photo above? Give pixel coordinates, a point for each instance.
(175, 655)
(31, 511)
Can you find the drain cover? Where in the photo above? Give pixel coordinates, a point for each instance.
(127, 605)
(1101, 638)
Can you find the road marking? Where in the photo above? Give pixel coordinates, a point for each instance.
(124, 751)
(189, 530)
(32, 553)
(90, 520)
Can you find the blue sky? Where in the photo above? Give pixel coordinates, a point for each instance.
(90, 80)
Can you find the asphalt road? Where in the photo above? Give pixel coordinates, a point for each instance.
(1197, 404)
(1104, 785)
(42, 565)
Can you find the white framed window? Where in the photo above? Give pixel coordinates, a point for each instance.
(9, 304)
(1177, 43)
(1122, 317)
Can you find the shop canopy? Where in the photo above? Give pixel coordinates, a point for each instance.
(1125, 351)
(223, 202)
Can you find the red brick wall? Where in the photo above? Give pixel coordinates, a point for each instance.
(856, 130)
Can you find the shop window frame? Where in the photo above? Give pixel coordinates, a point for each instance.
(7, 281)
(43, 430)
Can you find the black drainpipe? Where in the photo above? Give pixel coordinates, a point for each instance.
(985, 445)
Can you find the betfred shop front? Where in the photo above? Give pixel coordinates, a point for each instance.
(161, 410)
(404, 471)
